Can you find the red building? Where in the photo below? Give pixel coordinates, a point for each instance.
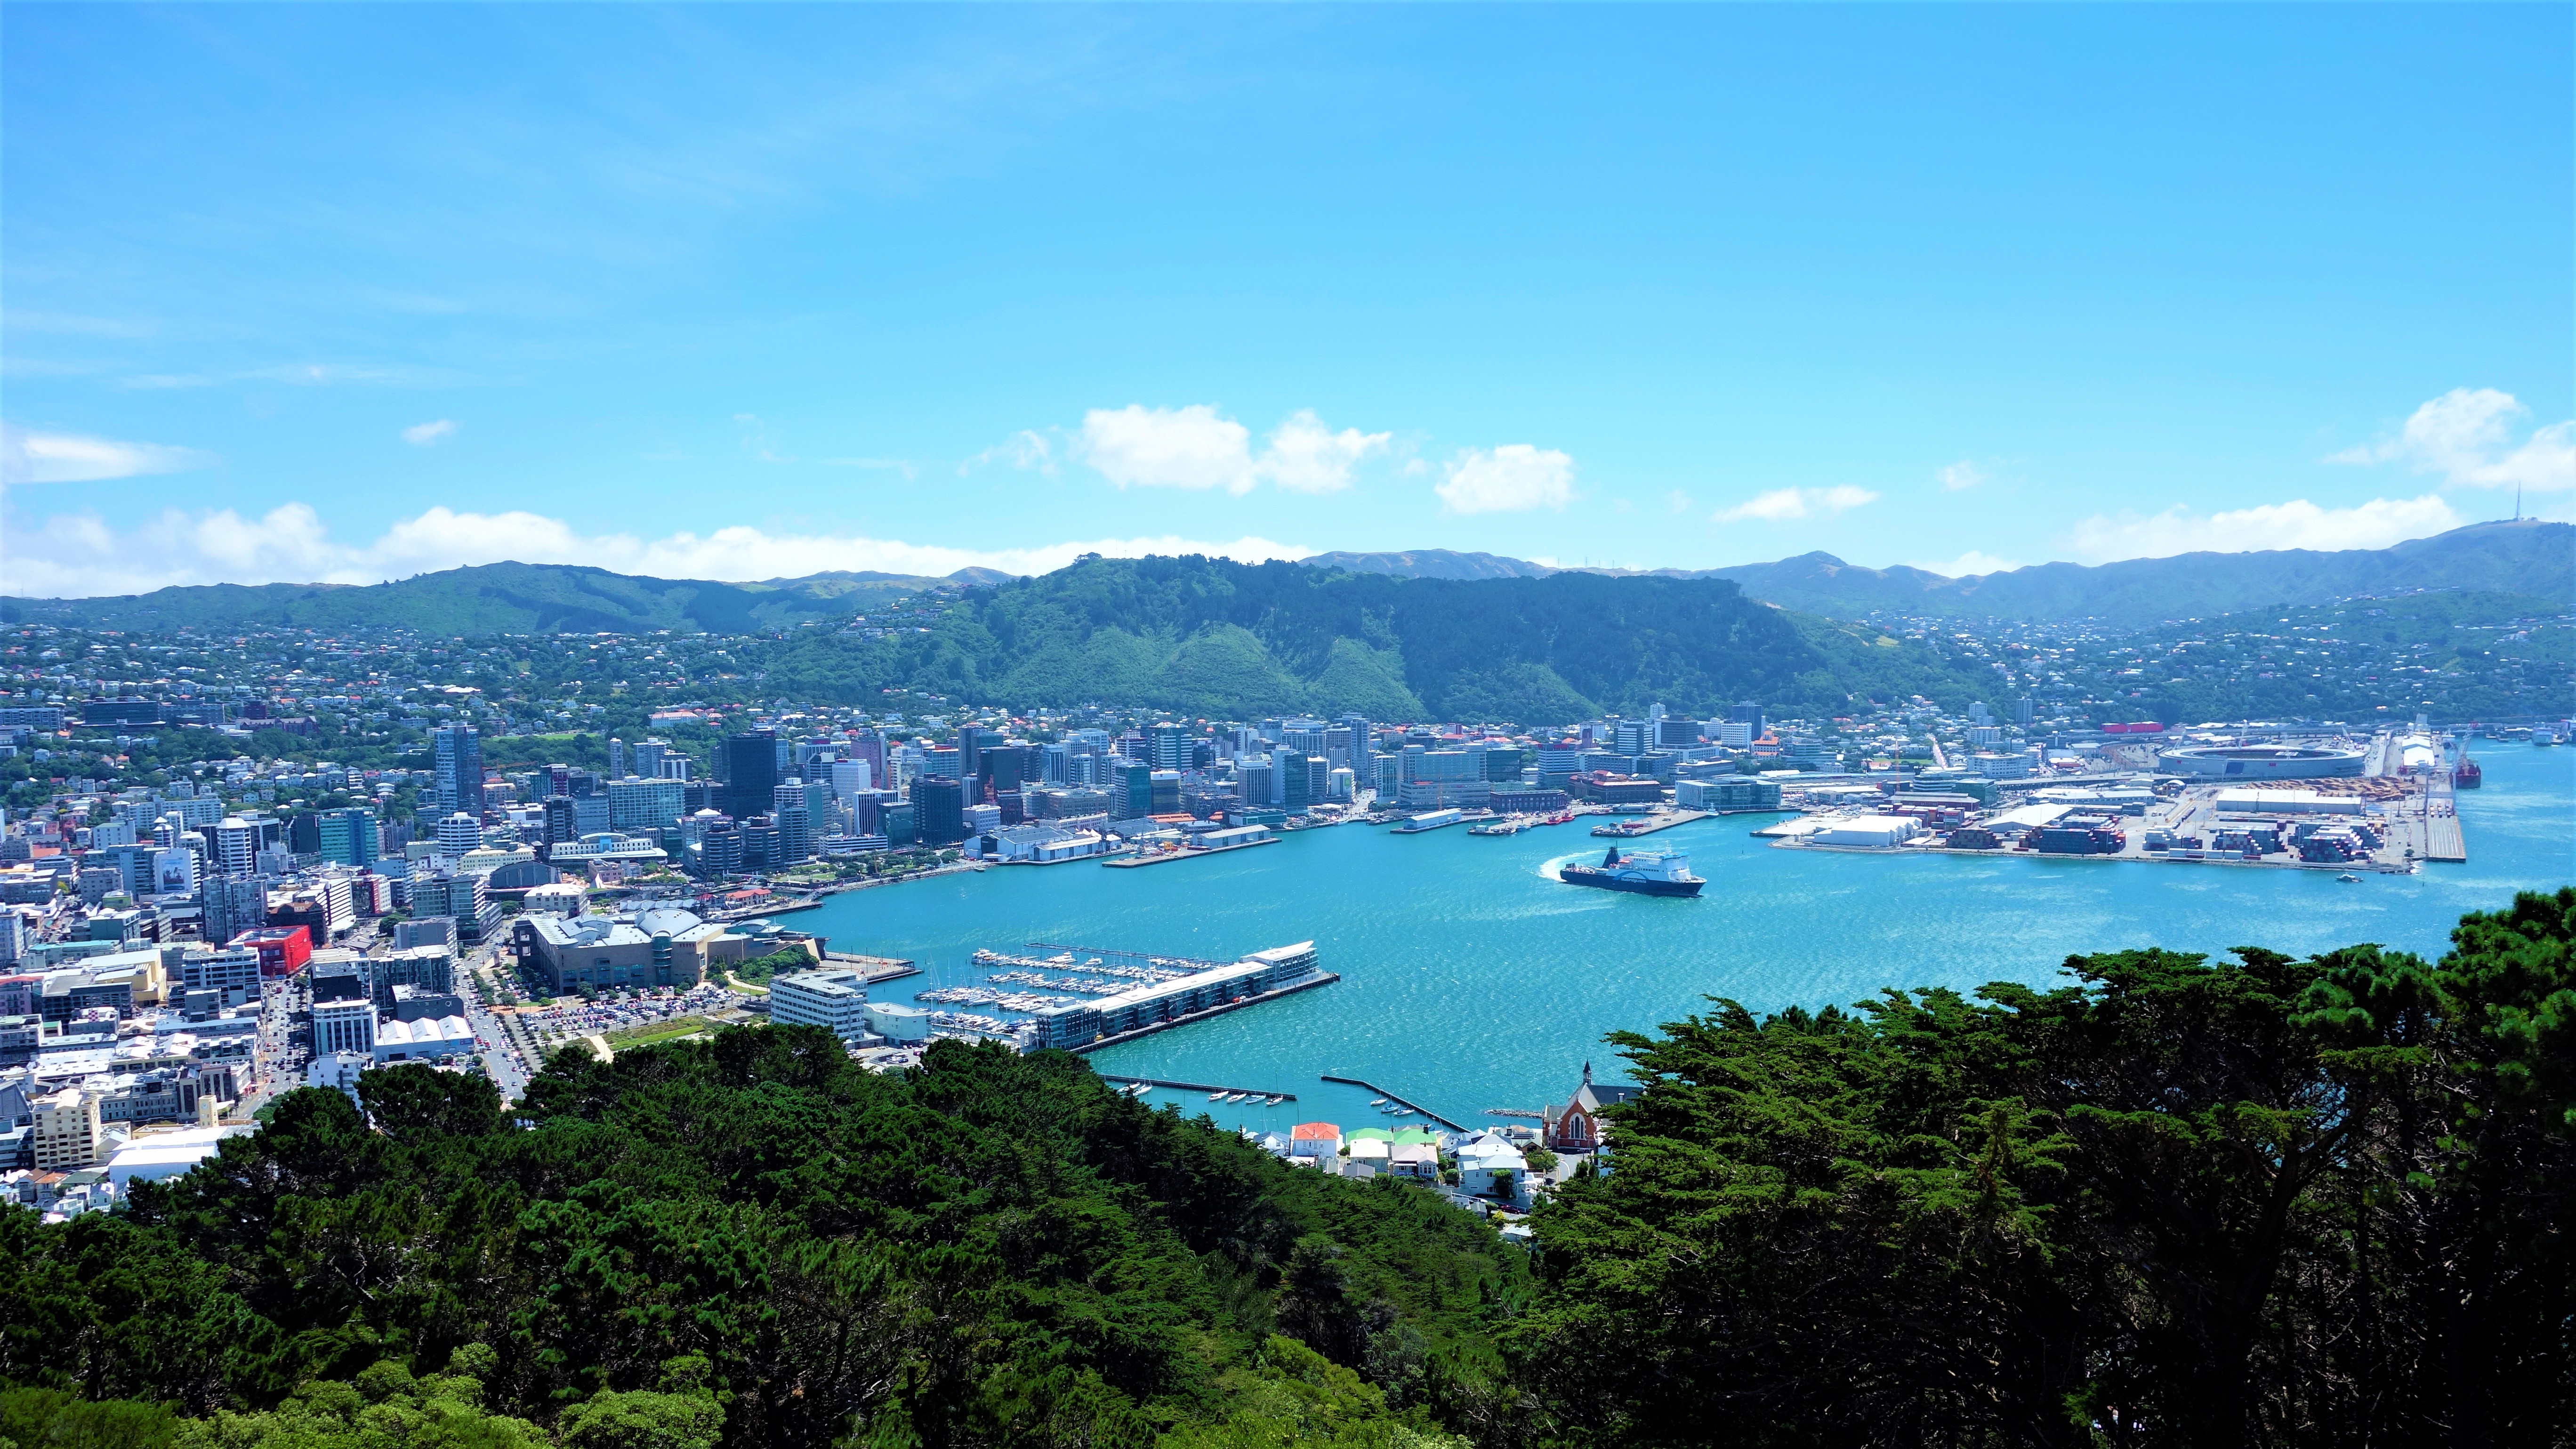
(283, 950)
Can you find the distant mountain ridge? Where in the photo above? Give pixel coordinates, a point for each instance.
(501, 598)
(2526, 557)
(2529, 557)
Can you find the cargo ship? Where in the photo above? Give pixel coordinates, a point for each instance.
(1646, 872)
(2468, 776)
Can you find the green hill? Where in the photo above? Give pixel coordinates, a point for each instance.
(1211, 637)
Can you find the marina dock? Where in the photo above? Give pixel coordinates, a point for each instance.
(1399, 1101)
(874, 968)
(1197, 1087)
(1660, 820)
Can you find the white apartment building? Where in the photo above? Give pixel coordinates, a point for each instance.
(834, 998)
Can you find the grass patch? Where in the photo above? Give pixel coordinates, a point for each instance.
(678, 1026)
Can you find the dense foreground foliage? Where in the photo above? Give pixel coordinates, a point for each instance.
(754, 1238)
(2181, 1202)
(2274, 1201)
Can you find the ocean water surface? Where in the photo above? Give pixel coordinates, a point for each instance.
(1472, 980)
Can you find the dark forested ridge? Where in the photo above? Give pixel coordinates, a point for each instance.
(1208, 636)
(2259, 1201)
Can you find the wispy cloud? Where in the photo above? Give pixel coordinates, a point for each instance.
(67, 324)
(422, 435)
(29, 456)
(1971, 563)
(890, 465)
(1513, 478)
(1960, 475)
(755, 440)
(1678, 501)
(2295, 524)
(78, 555)
(1782, 504)
(1024, 449)
(2466, 436)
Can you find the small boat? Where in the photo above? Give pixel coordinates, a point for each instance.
(1272, 1101)
(1143, 1087)
(1217, 1096)
(2349, 878)
(1377, 1101)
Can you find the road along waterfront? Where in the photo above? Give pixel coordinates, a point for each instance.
(1473, 979)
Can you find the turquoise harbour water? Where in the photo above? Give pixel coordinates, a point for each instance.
(1472, 980)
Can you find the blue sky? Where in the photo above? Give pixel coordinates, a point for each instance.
(356, 292)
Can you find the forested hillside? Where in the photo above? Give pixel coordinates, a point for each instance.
(760, 1237)
(1212, 637)
(2261, 1201)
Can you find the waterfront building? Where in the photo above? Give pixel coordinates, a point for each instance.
(834, 998)
(1320, 1142)
(1077, 1025)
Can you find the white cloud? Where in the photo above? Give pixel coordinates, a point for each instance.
(2296, 524)
(421, 435)
(1196, 448)
(1304, 456)
(2466, 435)
(1971, 563)
(74, 555)
(1189, 447)
(1782, 504)
(1959, 475)
(1510, 479)
(1678, 501)
(34, 457)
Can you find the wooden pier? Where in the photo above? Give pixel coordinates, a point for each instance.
(1399, 1101)
(1198, 1087)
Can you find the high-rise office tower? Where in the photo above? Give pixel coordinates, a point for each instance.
(456, 758)
(616, 758)
(1170, 747)
(795, 822)
(562, 823)
(644, 759)
(751, 772)
(849, 777)
(939, 809)
(1749, 715)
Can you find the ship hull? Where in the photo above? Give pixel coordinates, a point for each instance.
(1602, 880)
